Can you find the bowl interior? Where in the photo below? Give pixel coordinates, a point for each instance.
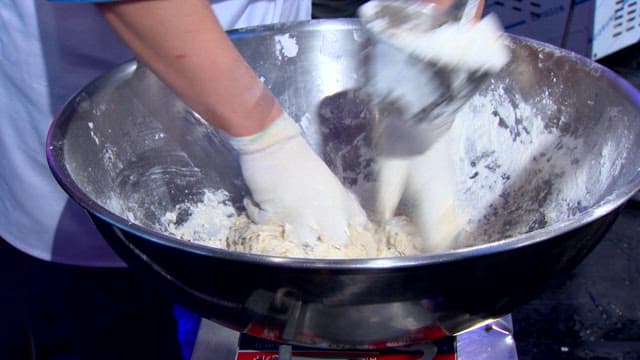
(549, 143)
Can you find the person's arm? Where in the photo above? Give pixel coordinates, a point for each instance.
(184, 44)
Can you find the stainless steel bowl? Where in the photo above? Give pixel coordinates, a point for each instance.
(547, 160)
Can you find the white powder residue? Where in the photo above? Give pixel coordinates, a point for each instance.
(208, 222)
(286, 45)
(517, 170)
(93, 135)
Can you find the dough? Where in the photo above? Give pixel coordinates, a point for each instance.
(214, 222)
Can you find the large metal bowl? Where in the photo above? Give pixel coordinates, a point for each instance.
(127, 150)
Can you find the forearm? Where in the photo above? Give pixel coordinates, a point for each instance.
(184, 44)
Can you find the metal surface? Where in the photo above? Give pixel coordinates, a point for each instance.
(493, 341)
(128, 151)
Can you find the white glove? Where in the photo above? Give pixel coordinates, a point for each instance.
(292, 186)
(418, 78)
(468, 52)
(428, 180)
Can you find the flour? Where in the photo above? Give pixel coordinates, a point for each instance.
(93, 135)
(208, 222)
(286, 45)
(517, 170)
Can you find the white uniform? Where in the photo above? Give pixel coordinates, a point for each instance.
(48, 51)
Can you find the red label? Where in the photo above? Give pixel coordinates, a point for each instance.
(273, 355)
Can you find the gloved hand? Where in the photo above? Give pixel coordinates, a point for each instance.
(418, 79)
(440, 67)
(291, 186)
(429, 182)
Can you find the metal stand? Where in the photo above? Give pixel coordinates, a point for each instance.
(493, 341)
